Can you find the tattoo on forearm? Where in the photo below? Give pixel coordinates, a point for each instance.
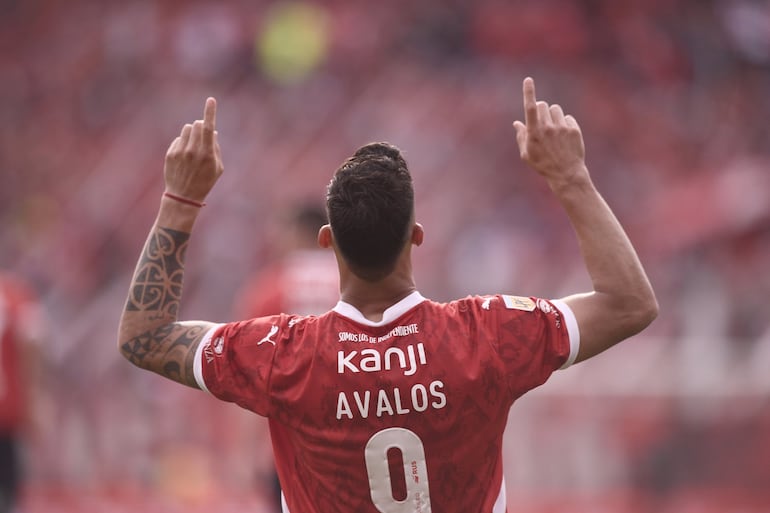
(157, 284)
(161, 344)
(170, 343)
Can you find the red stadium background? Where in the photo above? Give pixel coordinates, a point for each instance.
(672, 97)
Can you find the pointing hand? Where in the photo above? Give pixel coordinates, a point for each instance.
(550, 142)
(194, 160)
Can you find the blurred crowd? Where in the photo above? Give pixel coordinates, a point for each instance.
(671, 95)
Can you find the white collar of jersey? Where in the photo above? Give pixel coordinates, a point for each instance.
(389, 315)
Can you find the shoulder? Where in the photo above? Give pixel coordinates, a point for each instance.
(505, 311)
(492, 303)
(272, 330)
(473, 312)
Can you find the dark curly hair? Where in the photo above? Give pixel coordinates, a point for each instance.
(370, 206)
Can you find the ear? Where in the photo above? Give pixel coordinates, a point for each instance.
(325, 236)
(418, 233)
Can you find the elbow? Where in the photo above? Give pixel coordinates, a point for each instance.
(123, 350)
(645, 312)
(650, 313)
(126, 346)
(131, 351)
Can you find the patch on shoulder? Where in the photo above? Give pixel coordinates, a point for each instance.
(519, 303)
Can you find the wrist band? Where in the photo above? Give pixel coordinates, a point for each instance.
(180, 199)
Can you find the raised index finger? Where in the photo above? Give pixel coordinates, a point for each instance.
(209, 120)
(530, 102)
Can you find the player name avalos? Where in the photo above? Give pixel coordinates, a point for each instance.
(393, 400)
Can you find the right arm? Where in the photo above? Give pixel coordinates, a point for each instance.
(622, 302)
(149, 334)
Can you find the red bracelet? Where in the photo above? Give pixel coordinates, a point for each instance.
(180, 199)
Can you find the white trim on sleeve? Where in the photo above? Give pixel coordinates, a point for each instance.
(572, 329)
(198, 360)
(284, 506)
(500, 502)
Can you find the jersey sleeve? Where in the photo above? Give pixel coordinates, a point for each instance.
(573, 332)
(534, 337)
(234, 361)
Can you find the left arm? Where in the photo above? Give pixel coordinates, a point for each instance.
(149, 334)
(622, 302)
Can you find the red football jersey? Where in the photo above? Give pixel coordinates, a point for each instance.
(19, 324)
(402, 415)
(305, 282)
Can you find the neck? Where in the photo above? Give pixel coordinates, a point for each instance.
(373, 298)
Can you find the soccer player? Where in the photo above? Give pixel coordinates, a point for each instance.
(390, 402)
(302, 280)
(21, 327)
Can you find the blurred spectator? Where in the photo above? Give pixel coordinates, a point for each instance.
(302, 279)
(21, 328)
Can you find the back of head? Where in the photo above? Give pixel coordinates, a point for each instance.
(370, 205)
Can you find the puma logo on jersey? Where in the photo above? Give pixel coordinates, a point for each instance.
(273, 331)
(485, 304)
(371, 360)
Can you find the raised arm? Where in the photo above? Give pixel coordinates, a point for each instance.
(149, 335)
(622, 302)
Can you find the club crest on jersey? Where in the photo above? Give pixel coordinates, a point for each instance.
(519, 303)
(214, 348)
(545, 307)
